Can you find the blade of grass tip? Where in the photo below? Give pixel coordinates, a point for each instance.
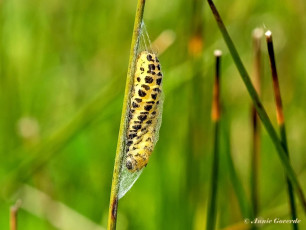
(215, 114)
(258, 105)
(281, 120)
(13, 215)
(257, 35)
(112, 215)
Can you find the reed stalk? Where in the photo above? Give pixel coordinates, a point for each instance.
(14, 214)
(259, 106)
(119, 158)
(257, 35)
(215, 115)
(281, 121)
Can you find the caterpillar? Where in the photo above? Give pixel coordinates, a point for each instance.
(143, 120)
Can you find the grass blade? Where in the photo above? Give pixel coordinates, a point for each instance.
(212, 202)
(258, 105)
(112, 216)
(257, 35)
(281, 121)
(38, 203)
(48, 148)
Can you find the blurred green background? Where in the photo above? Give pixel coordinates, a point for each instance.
(63, 69)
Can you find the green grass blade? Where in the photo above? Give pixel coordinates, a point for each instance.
(255, 155)
(289, 184)
(112, 217)
(212, 199)
(281, 121)
(212, 202)
(48, 148)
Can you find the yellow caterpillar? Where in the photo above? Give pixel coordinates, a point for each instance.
(144, 111)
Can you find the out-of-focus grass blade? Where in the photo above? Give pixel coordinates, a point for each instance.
(56, 213)
(42, 153)
(216, 113)
(255, 154)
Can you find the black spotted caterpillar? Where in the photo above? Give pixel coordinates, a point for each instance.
(144, 112)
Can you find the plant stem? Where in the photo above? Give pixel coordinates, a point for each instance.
(112, 217)
(257, 35)
(281, 121)
(212, 202)
(13, 218)
(13, 215)
(259, 107)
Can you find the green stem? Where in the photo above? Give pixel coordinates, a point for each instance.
(259, 107)
(281, 121)
(112, 217)
(289, 184)
(212, 202)
(255, 158)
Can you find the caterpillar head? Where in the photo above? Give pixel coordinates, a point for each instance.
(137, 159)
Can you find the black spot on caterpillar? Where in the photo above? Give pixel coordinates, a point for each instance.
(146, 87)
(149, 79)
(141, 93)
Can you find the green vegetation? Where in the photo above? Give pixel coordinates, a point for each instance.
(63, 67)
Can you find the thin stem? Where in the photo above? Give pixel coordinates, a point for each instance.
(13, 215)
(112, 217)
(257, 35)
(259, 107)
(215, 113)
(278, 100)
(281, 121)
(212, 203)
(13, 218)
